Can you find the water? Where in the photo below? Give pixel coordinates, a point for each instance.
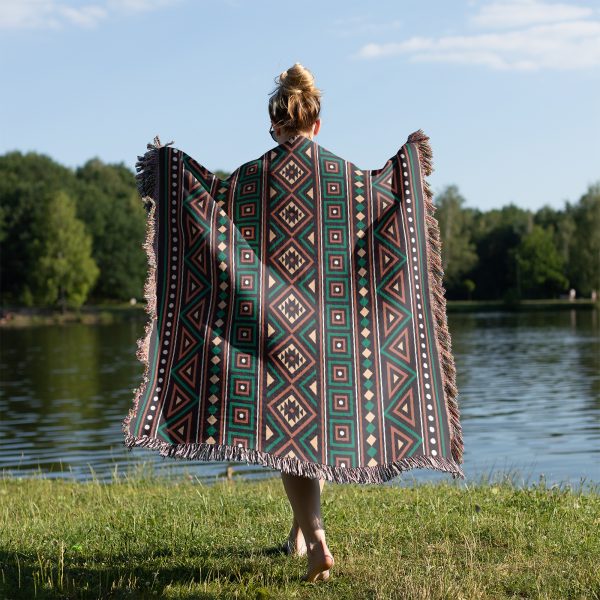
(529, 398)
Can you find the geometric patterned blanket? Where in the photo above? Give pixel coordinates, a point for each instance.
(297, 318)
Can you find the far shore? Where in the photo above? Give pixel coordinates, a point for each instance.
(106, 313)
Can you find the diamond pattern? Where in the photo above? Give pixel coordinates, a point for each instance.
(292, 358)
(293, 309)
(291, 412)
(292, 260)
(291, 172)
(292, 214)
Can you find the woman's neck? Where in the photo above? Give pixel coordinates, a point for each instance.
(286, 137)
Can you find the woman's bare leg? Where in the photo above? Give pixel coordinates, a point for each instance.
(295, 536)
(304, 495)
(296, 541)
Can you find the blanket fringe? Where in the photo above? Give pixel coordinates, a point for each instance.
(438, 299)
(147, 167)
(203, 451)
(147, 185)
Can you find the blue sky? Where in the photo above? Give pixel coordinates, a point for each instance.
(507, 90)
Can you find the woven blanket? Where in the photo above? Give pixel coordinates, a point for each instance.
(297, 317)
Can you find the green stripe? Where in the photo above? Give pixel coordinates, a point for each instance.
(432, 352)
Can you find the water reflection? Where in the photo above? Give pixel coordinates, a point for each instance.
(529, 398)
(530, 392)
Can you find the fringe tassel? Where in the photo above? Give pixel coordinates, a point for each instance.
(438, 299)
(147, 167)
(147, 185)
(221, 452)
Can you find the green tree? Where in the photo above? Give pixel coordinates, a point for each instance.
(110, 206)
(497, 234)
(25, 180)
(65, 270)
(458, 250)
(469, 286)
(584, 263)
(562, 226)
(540, 266)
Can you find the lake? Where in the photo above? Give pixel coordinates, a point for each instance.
(529, 398)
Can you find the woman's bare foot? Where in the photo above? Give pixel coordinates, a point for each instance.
(320, 561)
(295, 541)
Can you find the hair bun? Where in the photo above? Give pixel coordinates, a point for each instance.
(297, 80)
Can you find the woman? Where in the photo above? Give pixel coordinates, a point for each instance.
(298, 316)
(294, 109)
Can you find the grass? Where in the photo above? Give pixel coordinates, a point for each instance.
(147, 536)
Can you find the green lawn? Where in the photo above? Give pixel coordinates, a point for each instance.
(151, 537)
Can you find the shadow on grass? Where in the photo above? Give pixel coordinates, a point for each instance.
(24, 575)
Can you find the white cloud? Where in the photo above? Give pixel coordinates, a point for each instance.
(55, 14)
(556, 39)
(138, 5)
(86, 16)
(519, 13)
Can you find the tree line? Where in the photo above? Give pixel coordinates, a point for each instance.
(513, 253)
(74, 236)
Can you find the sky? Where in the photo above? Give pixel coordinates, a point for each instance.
(507, 90)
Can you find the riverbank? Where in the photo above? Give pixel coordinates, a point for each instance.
(147, 537)
(523, 306)
(93, 314)
(111, 313)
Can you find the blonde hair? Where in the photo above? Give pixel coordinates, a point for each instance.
(295, 103)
